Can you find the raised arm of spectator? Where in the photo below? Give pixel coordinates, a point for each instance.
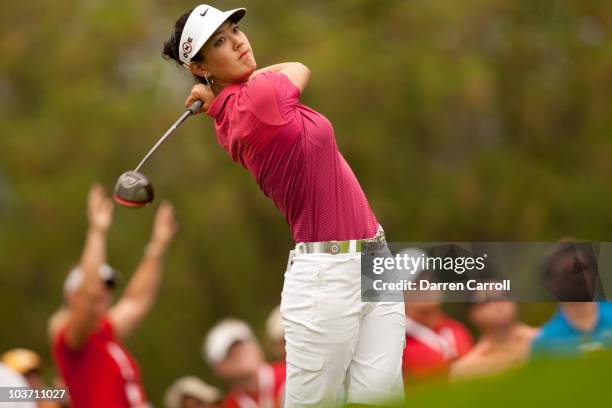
(84, 312)
(142, 288)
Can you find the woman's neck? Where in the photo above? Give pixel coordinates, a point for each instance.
(581, 315)
(218, 86)
(250, 384)
(429, 318)
(501, 335)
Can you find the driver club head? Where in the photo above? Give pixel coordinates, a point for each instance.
(133, 190)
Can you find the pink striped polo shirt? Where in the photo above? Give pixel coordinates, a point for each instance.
(291, 152)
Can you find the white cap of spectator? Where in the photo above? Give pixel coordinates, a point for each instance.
(222, 337)
(413, 253)
(73, 281)
(274, 326)
(191, 386)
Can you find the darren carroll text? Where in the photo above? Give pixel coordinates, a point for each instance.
(471, 284)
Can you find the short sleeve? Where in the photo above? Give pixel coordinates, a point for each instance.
(60, 344)
(271, 97)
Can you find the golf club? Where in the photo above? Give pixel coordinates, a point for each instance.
(133, 189)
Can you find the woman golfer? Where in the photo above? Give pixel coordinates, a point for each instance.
(339, 349)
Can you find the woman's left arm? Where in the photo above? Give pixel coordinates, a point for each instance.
(298, 73)
(271, 68)
(141, 292)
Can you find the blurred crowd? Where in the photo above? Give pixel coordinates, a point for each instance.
(87, 332)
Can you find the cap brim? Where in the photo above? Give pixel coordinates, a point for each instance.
(236, 15)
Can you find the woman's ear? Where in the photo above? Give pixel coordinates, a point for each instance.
(197, 69)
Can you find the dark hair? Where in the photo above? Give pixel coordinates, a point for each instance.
(171, 47)
(584, 263)
(573, 249)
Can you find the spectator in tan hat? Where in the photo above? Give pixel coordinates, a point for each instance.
(191, 392)
(25, 362)
(234, 354)
(28, 364)
(275, 335)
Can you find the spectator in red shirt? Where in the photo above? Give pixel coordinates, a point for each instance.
(433, 341)
(87, 333)
(234, 354)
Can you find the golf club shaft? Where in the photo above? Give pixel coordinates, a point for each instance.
(190, 111)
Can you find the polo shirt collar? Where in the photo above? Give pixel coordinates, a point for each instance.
(218, 103)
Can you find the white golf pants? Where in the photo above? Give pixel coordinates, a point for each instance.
(339, 349)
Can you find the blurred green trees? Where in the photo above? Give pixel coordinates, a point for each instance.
(463, 119)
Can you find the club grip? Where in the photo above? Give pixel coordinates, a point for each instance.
(196, 106)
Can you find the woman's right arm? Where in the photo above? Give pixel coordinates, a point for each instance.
(298, 73)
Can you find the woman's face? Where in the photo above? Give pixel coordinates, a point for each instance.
(242, 361)
(493, 315)
(228, 56)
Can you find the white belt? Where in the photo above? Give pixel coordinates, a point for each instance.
(342, 247)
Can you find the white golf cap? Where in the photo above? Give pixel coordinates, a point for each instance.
(75, 277)
(200, 26)
(193, 387)
(274, 326)
(222, 337)
(414, 253)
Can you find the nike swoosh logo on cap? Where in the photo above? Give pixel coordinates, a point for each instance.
(204, 13)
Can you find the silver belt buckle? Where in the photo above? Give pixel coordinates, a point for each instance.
(334, 247)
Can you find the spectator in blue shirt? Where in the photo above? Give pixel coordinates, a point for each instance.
(576, 328)
(582, 323)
